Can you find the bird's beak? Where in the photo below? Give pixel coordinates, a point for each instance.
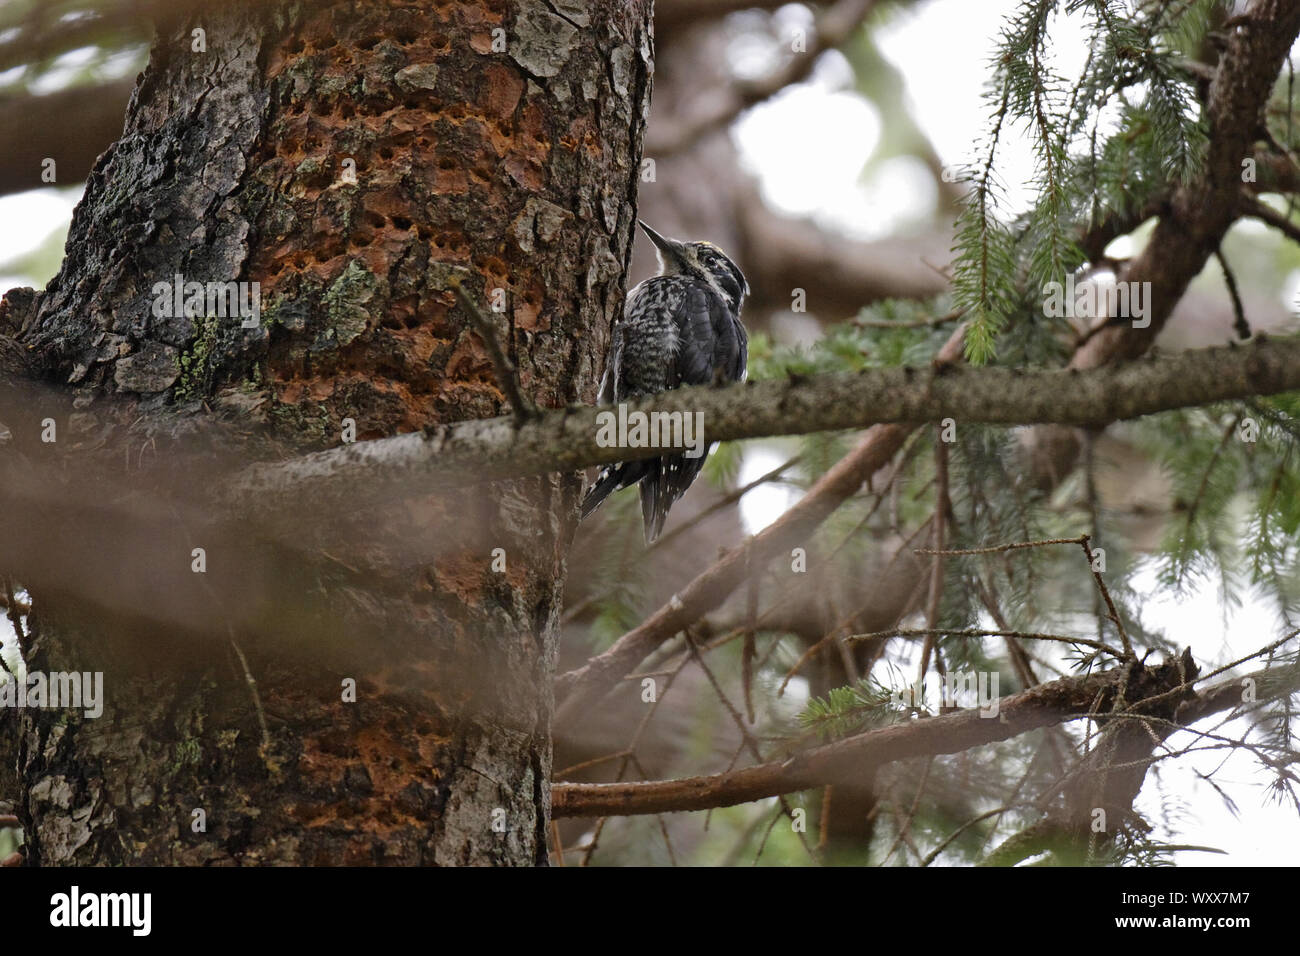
(670, 250)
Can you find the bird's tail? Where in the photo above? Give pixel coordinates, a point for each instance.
(656, 499)
(610, 480)
(663, 480)
(666, 480)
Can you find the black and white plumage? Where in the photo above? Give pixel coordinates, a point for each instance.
(681, 327)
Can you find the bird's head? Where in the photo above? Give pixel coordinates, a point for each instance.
(701, 259)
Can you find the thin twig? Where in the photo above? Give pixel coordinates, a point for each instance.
(776, 818)
(580, 608)
(1094, 513)
(999, 548)
(929, 321)
(583, 765)
(933, 854)
(1239, 322)
(1105, 593)
(750, 743)
(507, 375)
(831, 634)
(628, 755)
(983, 632)
(252, 689)
(729, 499)
(942, 504)
(559, 846)
(749, 649)
(1258, 209)
(911, 813)
(1195, 506)
(663, 824)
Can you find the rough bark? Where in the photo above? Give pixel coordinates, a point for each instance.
(511, 169)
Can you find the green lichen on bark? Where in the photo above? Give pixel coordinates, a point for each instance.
(231, 170)
(196, 361)
(347, 304)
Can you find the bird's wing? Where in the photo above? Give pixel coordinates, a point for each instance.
(738, 368)
(702, 315)
(609, 390)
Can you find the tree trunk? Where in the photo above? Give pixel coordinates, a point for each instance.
(354, 159)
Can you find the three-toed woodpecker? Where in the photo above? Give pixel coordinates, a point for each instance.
(681, 327)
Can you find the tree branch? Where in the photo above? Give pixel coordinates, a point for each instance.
(1258, 209)
(589, 683)
(72, 127)
(722, 106)
(841, 275)
(565, 440)
(1200, 212)
(856, 757)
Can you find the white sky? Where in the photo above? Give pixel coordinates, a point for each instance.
(809, 146)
